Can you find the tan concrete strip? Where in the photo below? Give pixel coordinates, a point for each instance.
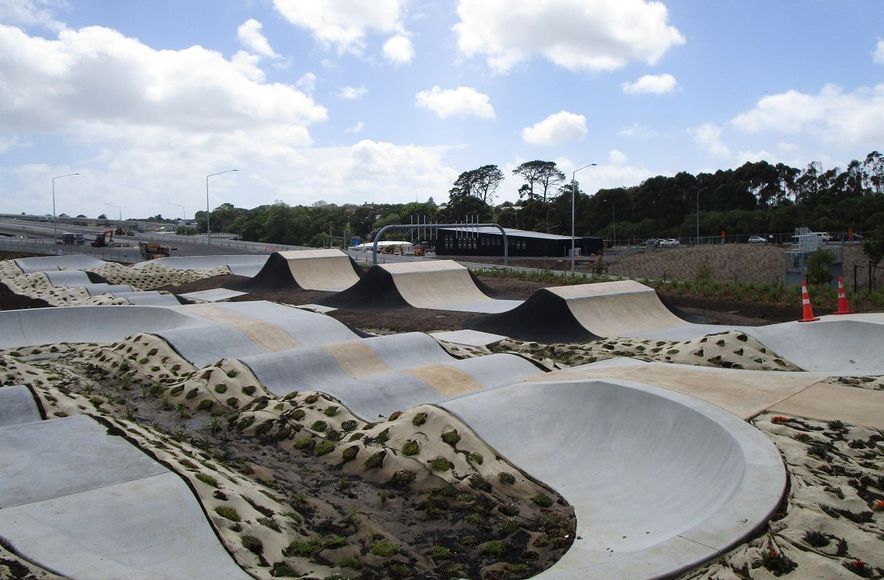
(448, 381)
(357, 359)
(438, 289)
(267, 336)
(744, 393)
(622, 313)
(829, 402)
(328, 270)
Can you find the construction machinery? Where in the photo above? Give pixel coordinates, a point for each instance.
(103, 239)
(152, 250)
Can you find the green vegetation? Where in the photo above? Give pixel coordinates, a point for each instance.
(384, 549)
(227, 512)
(451, 437)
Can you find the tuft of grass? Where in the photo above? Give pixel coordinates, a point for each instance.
(451, 437)
(411, 447)
(542, 500)
(323, 448)
(384, 549)
(507, 478)
(319, 426)
(440, 464)
(494, 548)
(228, 513)
(207, 479)
(376, 460)
(331, 411)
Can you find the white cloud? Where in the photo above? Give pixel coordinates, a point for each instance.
(343, 24)
(654, 84)
(459, 102)
(616, 157)
(574, 34)
(352, 93)
(399, 50)
(356, 129)
(834, 117)
(28, 13)
(556, 129)
(638, 132)
(249, 33)
(307, 82)
(99, 79)
(878, 55)
(709, 136)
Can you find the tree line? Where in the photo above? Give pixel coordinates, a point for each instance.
(755, 198)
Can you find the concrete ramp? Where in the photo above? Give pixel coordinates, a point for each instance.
(87, 324)
(660, 482)
(48, 263)
(90, 505)
(68, 278)
(17, 406)
(148, 298)
(379, 375)
(583, 312)
(239, 264)
(435, 284)
(329, 270)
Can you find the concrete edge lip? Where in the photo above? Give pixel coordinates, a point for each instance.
(759, 473)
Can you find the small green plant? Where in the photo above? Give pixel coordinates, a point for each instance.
(249, 390)
(269, 523)
(207, 479)
(411, 447)
(205, 405)
(477, 458)
(330, 411)
(777, 562)
(451, 437)
(384, 549)
(542, 500)
(323, 448)
(302, 549)
(494, 548)
(816, 539)
(376, 460)
(507, 478)
(350, 453)
(507, 527)
(220, 388)
(419, 419)
(403, 478)
(349, 425)
(440, 464)
(228, 513)
(439, 553)
(319, 426)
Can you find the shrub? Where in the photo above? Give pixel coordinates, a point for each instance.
(384, 549)
(331, 411)
(494, 548)
(403, 478)
(207, 479)
(451, 437)
(542, 500)
(507, 478)
(411, 447)
(319, 426)
(323, 448)
(376, 460)
(227, 512)
(440, 464)
(419, 419)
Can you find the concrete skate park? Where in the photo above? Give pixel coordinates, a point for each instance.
(671, 463)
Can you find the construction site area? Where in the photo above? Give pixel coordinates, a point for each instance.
(299, 414)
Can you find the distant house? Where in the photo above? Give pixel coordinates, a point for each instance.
(488, 241)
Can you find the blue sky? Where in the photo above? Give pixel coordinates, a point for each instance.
(389, 100)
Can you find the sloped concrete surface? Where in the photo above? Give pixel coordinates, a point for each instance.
(68, 278)
(213, 295)
(17, 406)
(377, 376)
(89, 505)
(239, 264)
(660, 481)
(47, 263)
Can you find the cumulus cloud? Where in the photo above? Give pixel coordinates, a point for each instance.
(556, 129)
(352, 93)
(343, 24)
(575, 34)
(878, 55)
(356, 129)
(708, 136)
(250, 35)
(96, 76)
(399, 50)
(654, 84)
(847, 119)
(307, 82)
(616, 157)
(459, 102)
(29, 13)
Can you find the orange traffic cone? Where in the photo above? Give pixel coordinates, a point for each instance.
(806, 308)
(843, 307)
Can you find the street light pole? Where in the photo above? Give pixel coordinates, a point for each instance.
(573, 197)
(698, 213)
(55, 217)
(119, 214)
(183, 215)
(208, 225)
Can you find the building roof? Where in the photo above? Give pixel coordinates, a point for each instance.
(509, 232)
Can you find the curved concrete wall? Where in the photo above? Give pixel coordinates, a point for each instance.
(660, 481)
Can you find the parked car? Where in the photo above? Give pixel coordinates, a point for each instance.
(757, 240)
(651, 243)
(670, 243)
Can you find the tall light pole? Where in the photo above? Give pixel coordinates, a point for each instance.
(119, 214)
(183, 212)
(573, 197)
(208, 226)
(54, 217)
(698, 213)
(613, 221)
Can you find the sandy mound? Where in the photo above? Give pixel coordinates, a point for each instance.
(832, 523)
(422, 465)
(732, 350)
(36, 285)
(153, 276)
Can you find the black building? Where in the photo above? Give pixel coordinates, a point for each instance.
(488, 241)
